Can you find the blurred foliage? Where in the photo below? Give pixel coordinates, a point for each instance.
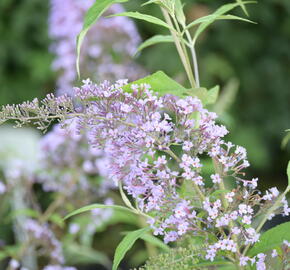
(24, 55)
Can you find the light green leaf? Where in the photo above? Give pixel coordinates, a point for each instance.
(96, 205)
(201, 93)
(241, 3)
(155, 40)
(271, 239)
(127, 242)
(233, 17)
(213, 17)
(79, 254)
(155, 241)
(143, 17)
(179, 12)
(57, 219)
(92, 15)
(288, 173)
(124, 197)
(285, 140)
(160, 83)
(212, 95)
(150, 2)
(201, 20)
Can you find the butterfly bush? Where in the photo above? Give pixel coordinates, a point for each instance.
(71, 167)
(107, 51)
(68, 164)
(71, 170)
(155, 147)
(20, 180)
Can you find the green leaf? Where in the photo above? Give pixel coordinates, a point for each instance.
(233, 17)
(271, 239)
(127, 242)
(206, 96)
(96, 205)
(155, 241)
(150, 2)
(241, 3)
(179, 12)
(213, 17)
(79, 254)
(212, 95)
(144, 17)
(160, 83)
(57, 219)
(285, 140)
(92, 15)
(288, 173)
(155, 40)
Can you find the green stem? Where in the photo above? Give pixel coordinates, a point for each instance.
(180, 50)
(183, 44)
(194, 58)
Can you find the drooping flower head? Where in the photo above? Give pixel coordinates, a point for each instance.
(156, 147)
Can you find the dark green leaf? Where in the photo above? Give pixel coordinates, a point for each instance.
(127, 242)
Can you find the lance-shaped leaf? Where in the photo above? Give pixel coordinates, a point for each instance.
(143, 17)
(243, 6)
(96, 205)
(209, 19)
(92, 15)
(155, 40)
(127, 242)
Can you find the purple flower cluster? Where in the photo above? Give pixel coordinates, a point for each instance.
(108, 48)
(68, 164)
(42, 235)
(155, 147)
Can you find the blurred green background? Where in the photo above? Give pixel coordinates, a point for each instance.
(251, 63)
